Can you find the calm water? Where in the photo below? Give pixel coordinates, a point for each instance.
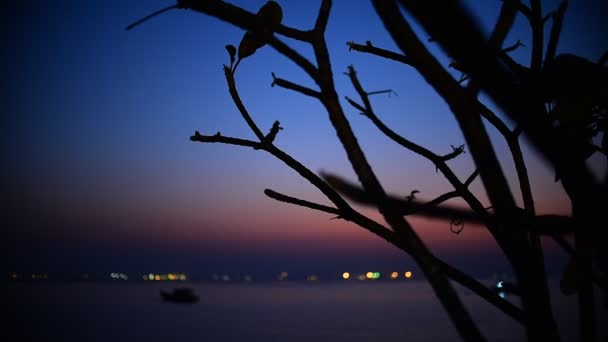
(405, 311)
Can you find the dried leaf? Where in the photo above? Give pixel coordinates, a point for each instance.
(231, 51)
(271, 15)
(269, 18)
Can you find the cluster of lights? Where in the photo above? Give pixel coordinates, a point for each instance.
(119, 276)
(33, 276)
(40, 276)
(164, 277)
(375, 275)
(227, 278)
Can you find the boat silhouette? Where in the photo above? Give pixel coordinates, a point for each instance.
(179, 295)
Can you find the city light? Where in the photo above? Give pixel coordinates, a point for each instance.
(408, 274)
(376, 275)
(369, 275)
(122, 276)
(345, 275)
(394, 275)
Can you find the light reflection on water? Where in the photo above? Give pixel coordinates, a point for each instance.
(353, 311)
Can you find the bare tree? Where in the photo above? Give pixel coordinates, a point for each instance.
(559, 102)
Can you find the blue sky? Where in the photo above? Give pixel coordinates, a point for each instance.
(97, 161)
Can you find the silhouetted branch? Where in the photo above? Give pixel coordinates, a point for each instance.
(150, 16)
(503, 25)
(367, 110)
(376, 92)
(512, 47)
(218, 138)
(421, 207)
(483, 292)
(493, 119)
(438, 161)
(239, 17)
(248, 21)
(473, 130)
(272, 133)
(514, 88)
(471, 178)
(405, 207)
(295, 87)
(542, 224)
(465, 41)
(369, 48)
(556, 29)
(356, 105)
(456, 151)
(525, 10)
(599, 279)
(536, 22)
(522, 174)
(292, 200)
(239, 104)
(295, 57)
(322, 17)
(352, 215)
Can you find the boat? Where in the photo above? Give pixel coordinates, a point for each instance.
(179, 295)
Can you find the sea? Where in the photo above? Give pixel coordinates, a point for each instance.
(268, 311)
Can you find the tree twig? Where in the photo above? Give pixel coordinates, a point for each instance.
(369, 48)
(300, 202)
(218, 138)
(295, 87)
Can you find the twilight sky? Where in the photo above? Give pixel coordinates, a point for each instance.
(99, 174)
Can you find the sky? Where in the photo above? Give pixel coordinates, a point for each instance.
(99, 173)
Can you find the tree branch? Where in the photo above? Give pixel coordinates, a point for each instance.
(525, 10)
(295, 87)
(239, 17)
(471, 178)
(483, 292)
(473, 130)
(536, 22)
(292, 200)
(295, 57)
(430, 205)
(369, 48)
(556, 29)
(405, 207)
(239, 104)
(322, 17)
(249, 21)
(438, 161)
(218, 138)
